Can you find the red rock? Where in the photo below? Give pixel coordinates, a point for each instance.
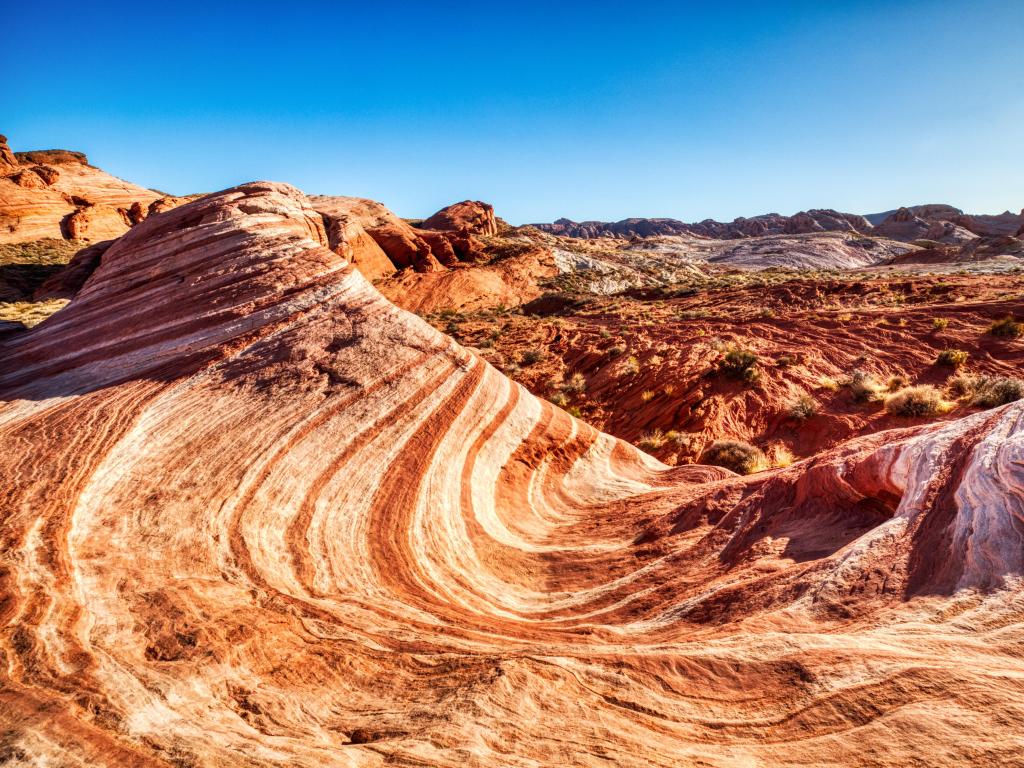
(69, 281)
(8, 161)
(470, 216)
(403, 245)
(96, 222)
(244, 495)
(43, 198)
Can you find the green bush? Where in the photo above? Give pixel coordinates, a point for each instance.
(531, 356)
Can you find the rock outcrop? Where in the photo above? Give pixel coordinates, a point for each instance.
(470, 216)
(397, 244)
(255, 514)
(57, 194)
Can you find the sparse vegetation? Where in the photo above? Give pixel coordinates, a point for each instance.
(896, 383)
(954, 358)
(939, 323)
(986, 391)
(653, 440)
(559, 399)
(30, 313)
(915, 402)
(865, 387)
(630, 367)
(739, 456)
(803, 408)
(740, 363)
(784, 361)
(1006, 328)
(531, 356)
(828, 383)
(575, 385)
(647, 395)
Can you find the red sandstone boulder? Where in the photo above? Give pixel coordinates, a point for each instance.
(471, 216)
(7, 159)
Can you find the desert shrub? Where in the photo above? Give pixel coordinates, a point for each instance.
(865, 387)
(651, 441)
(739, 456)
(940, 323)
(803, 408)
(740, 363)
(1007, 328)
(631, 366)
(999, 390)
(531, 356)
(559, 399)
(954, 358)
(576, 384)
(615, 351)
(574, 411)
(687, 441)
(647, 395)
(828, 383)
(986, 391)
(922, 400)
(896, 383)
(784, 361)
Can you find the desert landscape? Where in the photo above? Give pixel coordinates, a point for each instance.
(517, 385)
(290, 480)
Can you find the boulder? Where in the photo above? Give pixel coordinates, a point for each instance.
(472, 216)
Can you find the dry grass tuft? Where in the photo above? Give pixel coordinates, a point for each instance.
(739, 456)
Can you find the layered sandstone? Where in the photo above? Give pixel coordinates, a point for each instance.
(57, 194)
(254, 514)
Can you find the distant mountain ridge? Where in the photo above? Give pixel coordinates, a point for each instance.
(937, 221)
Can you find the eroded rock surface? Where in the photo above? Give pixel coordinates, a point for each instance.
(57, 194)
(254, 514)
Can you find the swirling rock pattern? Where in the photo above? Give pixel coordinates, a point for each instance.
(254, 514)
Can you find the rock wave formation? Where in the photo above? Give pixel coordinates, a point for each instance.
(254, 514)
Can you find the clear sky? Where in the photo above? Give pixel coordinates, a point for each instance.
(585, 110)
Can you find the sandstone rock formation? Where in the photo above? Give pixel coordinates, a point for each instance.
(253, 514)
(56, 193)
(470, 216)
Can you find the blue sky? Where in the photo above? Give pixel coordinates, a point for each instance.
(585, 110)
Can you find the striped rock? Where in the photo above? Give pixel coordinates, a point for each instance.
(254, 514)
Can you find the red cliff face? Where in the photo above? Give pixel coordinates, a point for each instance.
(254, 514)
